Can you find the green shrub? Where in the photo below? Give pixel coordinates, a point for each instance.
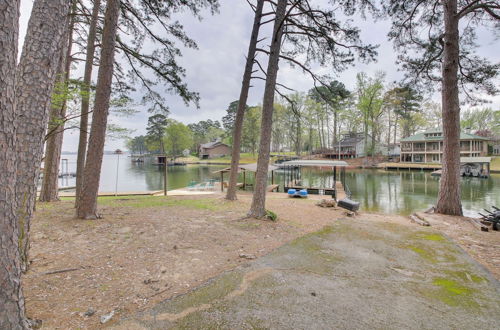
(271, 215)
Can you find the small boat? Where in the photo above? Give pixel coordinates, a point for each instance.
(302, 193)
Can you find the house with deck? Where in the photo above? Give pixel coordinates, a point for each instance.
(427, 147)
(353, 145)
(214, 149)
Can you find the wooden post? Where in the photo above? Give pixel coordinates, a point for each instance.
(165, 179)
(244, 180)
(272, 177)
(221, 181)
(334, 176)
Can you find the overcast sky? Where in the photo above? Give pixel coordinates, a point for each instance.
(215, 69)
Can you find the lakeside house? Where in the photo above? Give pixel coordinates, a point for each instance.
(213, 150)
(392, 150)
(427, 147)
(352, 145)
(496, 149)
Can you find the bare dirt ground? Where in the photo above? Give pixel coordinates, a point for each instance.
(147, 249)
(484, 247)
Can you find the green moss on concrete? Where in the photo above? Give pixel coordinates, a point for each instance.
(219, 305)
(433, 237)
(453, 293)
(425, 253)
(310, 254)
(199, 321)
(465, 276)
(255, 324)
(207, 294)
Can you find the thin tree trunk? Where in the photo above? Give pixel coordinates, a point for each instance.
(36, 76)
(395, 127)
(389, 130)
(335, 114)
(327, 124)
(374, 137)
(87, 206)
(49, 191)
(11, 294)
(84, 114)
(258, 207)
(449, 191)
(240, 112)
(299, 137)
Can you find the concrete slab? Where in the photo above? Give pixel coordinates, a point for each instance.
(353, 275)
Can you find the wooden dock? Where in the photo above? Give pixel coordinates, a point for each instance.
(339, 188)
(410, 166)
(120, 193)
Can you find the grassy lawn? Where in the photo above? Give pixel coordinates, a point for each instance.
(151, 201)
(495, 163)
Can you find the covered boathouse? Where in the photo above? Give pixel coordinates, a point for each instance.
(337, 188)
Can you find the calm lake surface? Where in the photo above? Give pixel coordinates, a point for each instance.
(400, 192)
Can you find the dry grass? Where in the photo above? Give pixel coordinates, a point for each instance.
(146, 249)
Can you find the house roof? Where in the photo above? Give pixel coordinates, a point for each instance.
(421, 136)
(484, 160)
(248, 167)
(350, 141)
(210, 145)
(315, 163)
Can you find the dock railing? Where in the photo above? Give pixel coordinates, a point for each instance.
(344, 184)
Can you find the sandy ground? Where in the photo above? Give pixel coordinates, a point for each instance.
(147, 249)
(482, 246)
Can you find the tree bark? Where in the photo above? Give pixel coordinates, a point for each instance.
(395, 127)
(84, 114)
(298, 137)
(449, 190)
(36, 76)
(335, 114)
(11, 295)
(258, 207)
(53, 146)
(242, 102)
(87, 206)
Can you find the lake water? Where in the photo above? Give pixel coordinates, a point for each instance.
(400, 192)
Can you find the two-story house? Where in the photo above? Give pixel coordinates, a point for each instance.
(427, 147)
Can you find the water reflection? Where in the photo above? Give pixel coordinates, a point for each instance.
(404, 192)
(142, 176)
(382, 191)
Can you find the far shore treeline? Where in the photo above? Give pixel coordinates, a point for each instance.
(312, 124)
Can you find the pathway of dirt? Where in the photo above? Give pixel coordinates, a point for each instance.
(146, 249)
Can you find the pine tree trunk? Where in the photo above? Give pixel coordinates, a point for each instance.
(240, 112)
(395, 127)
(36, 76)
(374, 134)
(87, 205)
(53, 147)
(11, 295)
(299, 137)
(258, 207)
(389, 131)
(48, 192)
(449, 190)
(84, 113)
(335, 114)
